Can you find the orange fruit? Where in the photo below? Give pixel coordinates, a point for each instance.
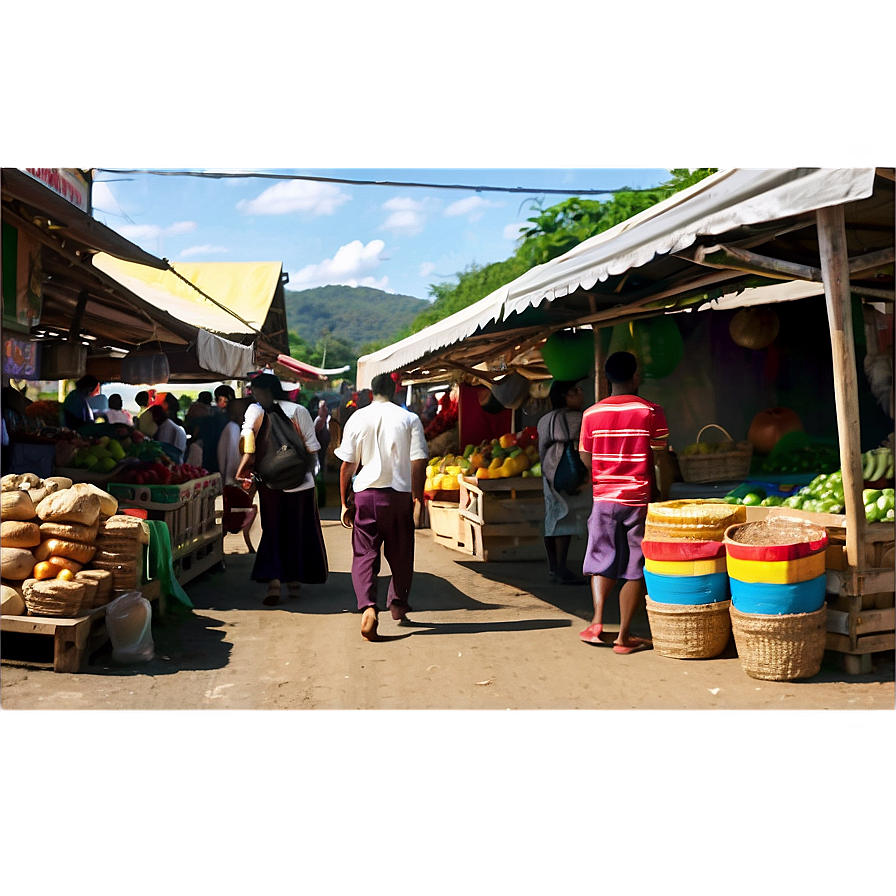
(66, 575)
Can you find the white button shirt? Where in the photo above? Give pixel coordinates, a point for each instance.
(384, 439)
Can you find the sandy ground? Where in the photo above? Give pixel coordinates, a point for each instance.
(486, 636)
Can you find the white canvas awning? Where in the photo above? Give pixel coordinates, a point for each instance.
(737, 197)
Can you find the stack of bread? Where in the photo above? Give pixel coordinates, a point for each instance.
(50, 530)
(119, 547)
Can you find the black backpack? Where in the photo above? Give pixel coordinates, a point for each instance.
(282, 459)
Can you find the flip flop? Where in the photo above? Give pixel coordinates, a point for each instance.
(592, 634)
(636, 645)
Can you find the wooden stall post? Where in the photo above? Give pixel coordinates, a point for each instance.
(835, 275)
(601, 388)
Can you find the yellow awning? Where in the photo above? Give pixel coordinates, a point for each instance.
(246, 288)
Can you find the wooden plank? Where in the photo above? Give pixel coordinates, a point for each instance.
(46, 625)
(876, 621)
(867, 644)
(835, 271)
(849, 582)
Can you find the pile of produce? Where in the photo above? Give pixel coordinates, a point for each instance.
(824, 494)
(159, 472)
(64, 548)
(807, 459)
(513, 454)
(444, 420)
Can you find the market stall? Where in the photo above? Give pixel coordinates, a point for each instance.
(814, 242)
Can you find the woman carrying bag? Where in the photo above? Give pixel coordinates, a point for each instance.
(565, 515)
(292, 545)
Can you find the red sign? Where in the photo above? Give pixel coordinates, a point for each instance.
(69, 183)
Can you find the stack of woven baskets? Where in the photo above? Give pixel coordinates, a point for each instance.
(778, 615)
(687, 580)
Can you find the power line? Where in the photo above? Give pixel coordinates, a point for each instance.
(220, 175)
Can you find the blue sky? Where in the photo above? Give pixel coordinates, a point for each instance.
(399, 239)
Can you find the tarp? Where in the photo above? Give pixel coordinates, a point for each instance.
(245, 288)
(309, 371)
(727, 200)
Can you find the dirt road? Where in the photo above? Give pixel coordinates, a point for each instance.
(487, 636)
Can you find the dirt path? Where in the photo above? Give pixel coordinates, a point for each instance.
(487, 636)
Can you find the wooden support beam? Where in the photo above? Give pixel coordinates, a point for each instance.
(835, 269)
(731, 258)
(601, 389)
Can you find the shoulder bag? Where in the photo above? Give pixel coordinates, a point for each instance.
(571, 472)
(282, 458)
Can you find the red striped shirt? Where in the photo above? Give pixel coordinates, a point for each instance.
(619, 433)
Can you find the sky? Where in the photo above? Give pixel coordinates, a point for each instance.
(399, 239)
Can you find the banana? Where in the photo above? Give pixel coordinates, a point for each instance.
(880, 456)
(867, 464)
(889, 472)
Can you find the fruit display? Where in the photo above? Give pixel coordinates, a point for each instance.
(158, 472)
(65, 548)
(512, 454)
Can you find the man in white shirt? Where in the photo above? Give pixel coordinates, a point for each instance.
(385, 446)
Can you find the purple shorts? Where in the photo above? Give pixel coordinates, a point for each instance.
(615, 533)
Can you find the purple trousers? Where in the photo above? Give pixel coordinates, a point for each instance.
(384, 518)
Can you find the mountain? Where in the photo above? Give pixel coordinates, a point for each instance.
(356, 314)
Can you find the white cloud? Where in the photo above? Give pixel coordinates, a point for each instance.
(104, 199)
(138, 232)
(352, 265)
(513, 231)
(407, 216)
(426, 269)
(206, 249)
(309, 197)
(473, 207)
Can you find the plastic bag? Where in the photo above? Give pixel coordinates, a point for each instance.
(129, 623)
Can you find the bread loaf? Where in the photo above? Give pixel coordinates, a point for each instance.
(60, 482)
(123, 526)
(16, 563)
(62, 547)
(70, 506)
(11, 603)
(70, 531)
(103, 578)
(16, 505)
(90, 588)
(54, 597)
(108, 504)
(17, 534)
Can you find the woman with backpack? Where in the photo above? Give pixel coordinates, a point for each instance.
(278, 438)
(564, 515)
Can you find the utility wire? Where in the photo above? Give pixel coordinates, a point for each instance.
(374, 183)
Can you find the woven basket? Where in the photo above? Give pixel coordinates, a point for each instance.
(780, 648)
(718, 466)
(691, 519)
(41, 603)
(689, 632)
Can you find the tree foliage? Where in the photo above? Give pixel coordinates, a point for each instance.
(553, 232)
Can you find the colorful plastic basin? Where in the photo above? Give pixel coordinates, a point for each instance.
(777, 572)
(687, 567)
(687, 590)
(776, 552)
(682, 550)
(771, 599)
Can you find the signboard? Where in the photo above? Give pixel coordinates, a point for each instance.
(20, 358)
(69, 183)
(22, 279)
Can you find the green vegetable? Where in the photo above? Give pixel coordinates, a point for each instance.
(751, 499)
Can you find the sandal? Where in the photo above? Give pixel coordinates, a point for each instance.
(294, 588)
(272, 598)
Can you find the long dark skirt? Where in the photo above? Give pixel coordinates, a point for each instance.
(292, 544)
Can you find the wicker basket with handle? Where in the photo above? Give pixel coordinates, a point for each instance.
(717, 466)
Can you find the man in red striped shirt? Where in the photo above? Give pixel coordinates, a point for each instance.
(616, 444)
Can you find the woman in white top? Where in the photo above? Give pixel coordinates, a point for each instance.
(115, 413)
(292, 544)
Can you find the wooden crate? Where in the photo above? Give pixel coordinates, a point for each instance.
(444, 523)
(72, 640)
(861, 617)
(507, 542)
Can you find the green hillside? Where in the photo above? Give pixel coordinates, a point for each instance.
(356, 315)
